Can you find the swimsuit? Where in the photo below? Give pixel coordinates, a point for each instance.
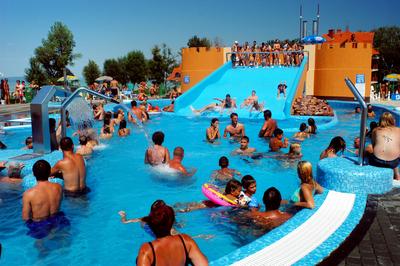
(40, 229)
(157, 156)
(375, 161)
(296, 195)
(228, 104)
(76, 193)
(188, 261)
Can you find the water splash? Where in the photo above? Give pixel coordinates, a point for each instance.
(80, 114)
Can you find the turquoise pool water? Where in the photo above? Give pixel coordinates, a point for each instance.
(120, 181)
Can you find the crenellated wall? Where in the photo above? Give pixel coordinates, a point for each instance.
(198, 63)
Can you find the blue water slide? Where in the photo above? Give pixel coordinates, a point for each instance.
(239, 82)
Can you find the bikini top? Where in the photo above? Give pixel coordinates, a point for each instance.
(188, 261)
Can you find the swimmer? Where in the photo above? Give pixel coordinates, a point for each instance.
(235, 129)
(302, 134)
(123, 131)
(249, 101)
(276, 143)
(106, 133)
(139, 113)
(169, 108)
(212, 133)
(336, 146)
(85, 148)
(225, 173)
(370, 111)
(312, 128)
(176, 162)
(356, 146)
(244, 147)
(13, 172)
(228, 103)
(28, 143)
(357, 110)
(157, 154)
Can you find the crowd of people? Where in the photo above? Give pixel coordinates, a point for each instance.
(266, 54)
(311, 106)
(21, 93)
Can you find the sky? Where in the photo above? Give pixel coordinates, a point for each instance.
(110, 29)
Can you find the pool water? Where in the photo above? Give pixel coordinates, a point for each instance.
(119, 180)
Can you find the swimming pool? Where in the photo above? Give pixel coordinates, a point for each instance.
(120, 181)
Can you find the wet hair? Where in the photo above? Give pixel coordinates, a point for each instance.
(369, 108)
(214, 120)
(52, 125)
(232, 185)
(160, 219)
(311, 123)
(228, 95)
(277, 132)
(2, 146)
(303, 127)
(83, 140)
(247, 180)
(272, 199)
(28, 141)
(267, 113)
(357, 107)
(41, 170)
(245, 138)
(158, 138)
(223, 162)
(293, 148)
(337, 144)
(372, 126)
(133, 103)
(122, 124)
(66, 144)
(386, 120)
(178, 151)
(233, 114)
(304, 171)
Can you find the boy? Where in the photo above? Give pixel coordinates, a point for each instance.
(244, 147)
(276, 143)
(246, 197)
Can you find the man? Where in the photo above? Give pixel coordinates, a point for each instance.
(385, 150)
(244, 147)
(72, 168)
(269, 125)
(139, 113)
(228, 103)
(176, 162)
(41, 204)
(235, 129)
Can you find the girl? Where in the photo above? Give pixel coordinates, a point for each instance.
(337, 145)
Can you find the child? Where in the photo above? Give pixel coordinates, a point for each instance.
(28, 143)
(276, 143)
(244, 147)
(246, 197)
(123, 131)
(312, 128)
(302, 134)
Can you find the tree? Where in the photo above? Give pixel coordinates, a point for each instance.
(91, 72)
(387, 42)
(56, 52)
(116, 69)
(197, 42)
(135, 66)
(35, 72)
(162, 63)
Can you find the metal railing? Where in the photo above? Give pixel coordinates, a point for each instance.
(363, 122)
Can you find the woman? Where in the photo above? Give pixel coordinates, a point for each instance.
(302, 134)
(157, 154)
(212, 133)
(168, 249)
(312, 128)
(304, 195)
(123, 131)
(337, 145)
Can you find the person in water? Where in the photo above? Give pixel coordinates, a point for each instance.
(304, 195)
(370, 111)
(212, 133)
(41, 203)
(244, 148)
(85, 148)
(235, 129)
(176, 162)
(228, 103)
(249, 101)
(139, 113)
(247, 197)
(269, 125)
(28, 143)
(157, 154)
(276, 143)
(337, 145)
(72, 169)
(122, 130)
(312, 128)
(302, 134)
(225, 173)
(168, 249)
(13, 172)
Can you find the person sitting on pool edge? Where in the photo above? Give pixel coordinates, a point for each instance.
(84, 148)
(176, 162)
(244, 148)
(73, 170)
(168, 249)
(337, 145)
(41, 203)
(235, 129)
(212, 133)
(276, 143)
(157, 154)
(225, 173)
(303, 196)
(272, 217)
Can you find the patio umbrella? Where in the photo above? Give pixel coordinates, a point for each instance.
(104, 78)
(312, 39)
(392, 77)
(69, 78)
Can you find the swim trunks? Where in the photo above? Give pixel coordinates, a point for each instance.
(375, 161)
(77, 193)
(40, 229)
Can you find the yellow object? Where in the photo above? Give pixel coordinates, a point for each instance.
(219, 194)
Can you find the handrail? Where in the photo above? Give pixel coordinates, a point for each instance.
(363, 121)
(69, 100)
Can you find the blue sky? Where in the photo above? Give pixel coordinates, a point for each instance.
(109, 29)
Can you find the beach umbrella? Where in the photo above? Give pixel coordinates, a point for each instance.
(312, 39)
(392, 77)
(69, 78)
(104, 78)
